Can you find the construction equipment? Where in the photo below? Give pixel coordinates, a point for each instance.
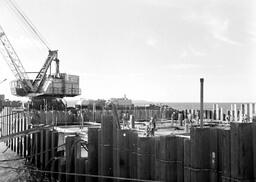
(47, 86)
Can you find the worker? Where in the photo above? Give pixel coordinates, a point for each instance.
(180, 118)
(147, 130)
(153, 125)
(132, 121)
(150, 127)
(81, 118)
(125, 121)
(189, 118)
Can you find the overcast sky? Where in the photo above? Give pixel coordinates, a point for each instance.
(154, 50)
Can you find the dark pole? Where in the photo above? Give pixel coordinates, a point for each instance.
(201, 102)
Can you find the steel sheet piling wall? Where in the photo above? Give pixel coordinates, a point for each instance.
(187, 160)
(54, 145)
(121, 152)
(180, 159)
(214, 155)
(81, 168)
(166, 158)
(225, 154)
(144, 158)
(200, 150)
(47, 147)
(106, 146)
(241, 151)
(133, 155)
(211, 154)
(93, 152)
(73, 152)
(157, 159)
(254, 148)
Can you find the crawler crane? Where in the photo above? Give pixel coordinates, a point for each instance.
(47, 88)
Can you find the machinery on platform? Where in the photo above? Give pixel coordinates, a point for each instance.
(47, 86)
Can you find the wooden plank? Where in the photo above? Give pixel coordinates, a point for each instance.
(187, 160)
(99, 153)
(18, 138)
(54, 145)
(123, 150)
(133, 154)
(145, 163)
(225, 146)
(157, 159)
(116, 152)
(29, 146)
(12, 131)
(254, 148)
(106, 163)
(73, 152)
(33, 149)
(21, 138)
(143, 158)
(70, 163)
(169, 159)
(15, 131)
(80, 168)
(200, 154)
(93, 152)
(241, 151)
(42, 149)
(1, 122)
(8, 125)
(214, 155)
(152, 158)
(180, 159)
(37, 149)
(23, 133)
(219, 157)
(62, 169)
(47, 148)
(25, 137)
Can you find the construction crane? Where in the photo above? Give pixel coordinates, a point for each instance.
(47, 86)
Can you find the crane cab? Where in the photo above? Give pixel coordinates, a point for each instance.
(63, 86)
(18, 89)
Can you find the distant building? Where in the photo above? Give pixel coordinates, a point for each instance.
(99, 104)
(123, 102)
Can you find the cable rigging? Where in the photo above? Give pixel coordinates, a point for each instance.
(29, 23)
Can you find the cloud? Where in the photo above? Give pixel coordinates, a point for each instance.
(191, 51)
(225, 39)
(218, 27)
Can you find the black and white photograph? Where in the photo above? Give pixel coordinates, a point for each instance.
(127, 90)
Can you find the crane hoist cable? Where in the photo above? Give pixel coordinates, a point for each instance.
(29, 23)
(25, 28)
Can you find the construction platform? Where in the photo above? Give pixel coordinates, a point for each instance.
(102, 152)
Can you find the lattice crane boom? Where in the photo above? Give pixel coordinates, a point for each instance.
(39, 80)
(14, 62)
